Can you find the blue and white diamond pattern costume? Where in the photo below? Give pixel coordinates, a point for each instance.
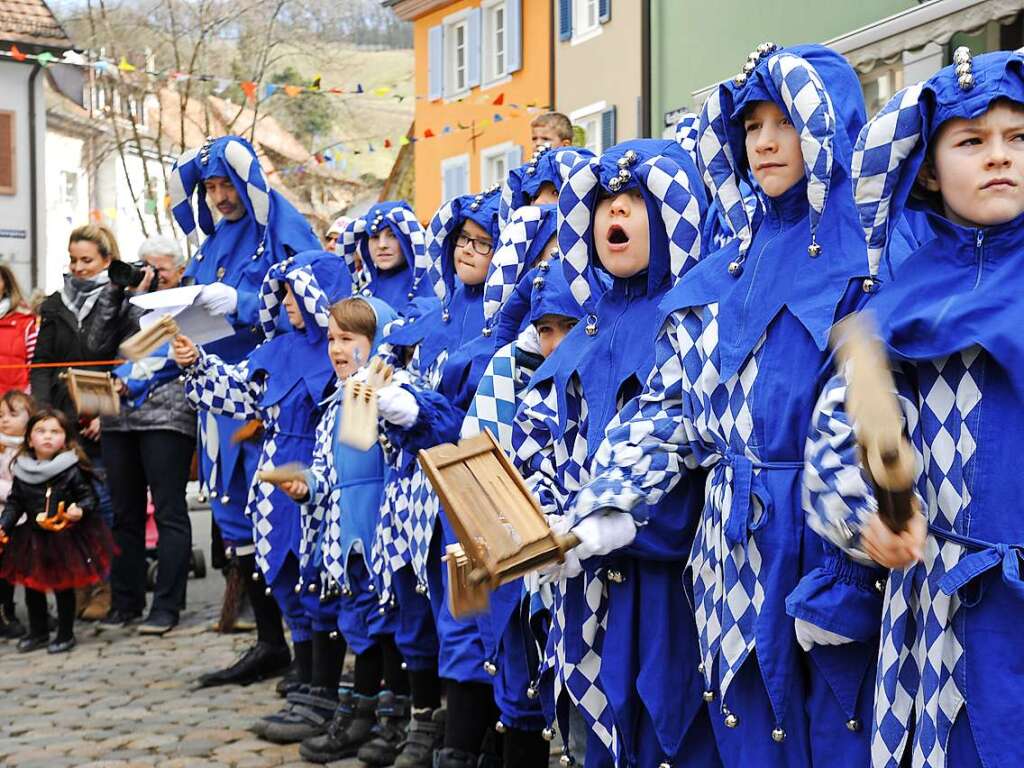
(280, 383)
(239, 254)
(738, 366)
(639, 697)
(950, 313)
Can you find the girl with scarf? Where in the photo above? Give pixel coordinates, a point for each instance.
(386, 252)
(949, 682)
(55, 539)
(18, 329)
(280, 383)
(739, 361)
(634, 214)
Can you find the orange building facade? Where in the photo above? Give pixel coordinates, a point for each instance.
(470, 54)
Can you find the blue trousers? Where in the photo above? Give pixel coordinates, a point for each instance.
(291, 603)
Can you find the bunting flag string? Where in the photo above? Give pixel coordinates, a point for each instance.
(254, 91)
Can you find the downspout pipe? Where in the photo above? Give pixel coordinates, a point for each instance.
(645, 68)
(33, 176)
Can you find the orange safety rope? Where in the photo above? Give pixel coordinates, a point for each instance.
(71, 364)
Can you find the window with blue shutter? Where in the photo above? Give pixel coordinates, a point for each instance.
(513, 158)
(607, 128)
(564, 19)
(473, 48)
(604, 11)
(454, 177)
(513, 36)
(435, 62)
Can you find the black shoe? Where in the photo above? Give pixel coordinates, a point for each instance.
(351, 727)
(389, 732)
(31, 643)
(62, 646)
(261, 661)
(290, 683)
(116, 619)
(307, 714)
(426, 735)
(158, 624)
(449, 757)
(10, 627)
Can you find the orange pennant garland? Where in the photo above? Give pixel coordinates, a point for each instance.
(249, 89)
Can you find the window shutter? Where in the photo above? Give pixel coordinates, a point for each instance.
(513, 159)
(513, 36)
(473, 41)
(435, 62)
(448, 183)
(564, 19)
(604, 11)
(7, 186)
(462, 177)
(607, 128)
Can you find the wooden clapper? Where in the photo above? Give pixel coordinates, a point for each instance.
(502, 533)
(143, 343)
(359, 406)
(871, 402)
(92, 392)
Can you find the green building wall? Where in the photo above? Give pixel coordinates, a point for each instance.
(695, 43)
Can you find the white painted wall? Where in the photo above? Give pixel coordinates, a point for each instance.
(67, 201)
(15, 222)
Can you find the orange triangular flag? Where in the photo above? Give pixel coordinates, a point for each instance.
(249, 89)
(387, 143)
(499, 101)
(428, 134)
(16, 54)
(293, 90)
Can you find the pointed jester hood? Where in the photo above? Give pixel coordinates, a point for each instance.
(603, 351)
(812, 255)
(964, 288)
(271, 224)
(547, 166)
(460, 316)
(402, 284)
(317, 279)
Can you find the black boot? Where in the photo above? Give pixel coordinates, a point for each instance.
(526, 749)
(351, 727)
(261, 661)
(10, 627)
(388, 734)
(426, 734)
(449, 757)
(307, 713)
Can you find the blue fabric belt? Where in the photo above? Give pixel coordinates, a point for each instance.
(983, 559)
(738, 526)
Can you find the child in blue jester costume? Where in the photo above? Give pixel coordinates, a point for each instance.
(514, 631)
(391, 249)
(257, 228)
(448, 357)
(279, 383)
(538, 181)
(949, 678)
(622, 650)
(341, 495)
(739, 361)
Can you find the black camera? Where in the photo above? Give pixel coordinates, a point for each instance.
(130, 275)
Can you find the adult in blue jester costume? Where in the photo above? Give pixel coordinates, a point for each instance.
(391, 234)
(279, 383)
(622, 650)
(449, 357)
(256, 229)
(948, 679)
(739, 361)
(514, 631)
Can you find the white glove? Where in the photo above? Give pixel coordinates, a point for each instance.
(605, 531)
(219, 298)
(810, 635)
(397, 405)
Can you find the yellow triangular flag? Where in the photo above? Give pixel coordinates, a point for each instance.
(124, 66)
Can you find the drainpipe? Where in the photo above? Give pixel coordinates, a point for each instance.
(645, 68)
(33, 175)
(551, 55)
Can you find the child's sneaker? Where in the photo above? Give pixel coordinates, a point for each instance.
(62, 646)
(31, 643)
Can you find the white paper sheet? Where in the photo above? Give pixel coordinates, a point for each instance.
(195, 321)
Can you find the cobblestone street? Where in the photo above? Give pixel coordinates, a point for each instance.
(120, 699)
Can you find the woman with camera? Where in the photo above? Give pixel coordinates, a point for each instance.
(148, 449)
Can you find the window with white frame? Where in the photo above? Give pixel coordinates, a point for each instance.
(495, 47)
(497, 161)
(456, 36)
(454, 177)
(586, 18)
(69, 189)
(588, 119)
